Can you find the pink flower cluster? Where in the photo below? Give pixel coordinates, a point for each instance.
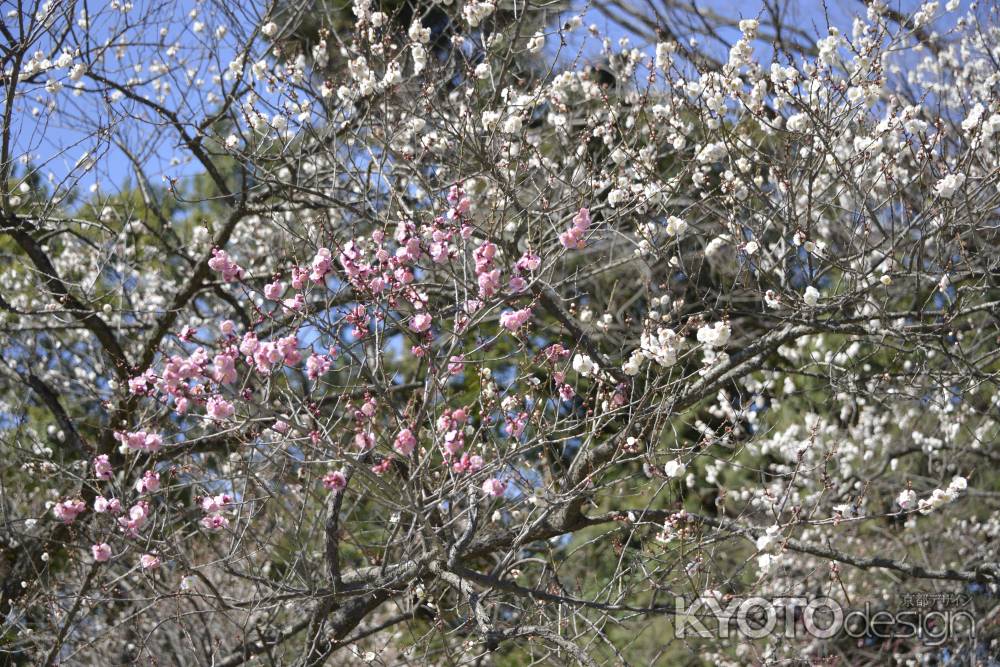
(572, 238)
(274, 290)
(109, 505)
(101, 552)
(494, 487)
(451, 425)
(220, 262)
(213, 506)
(335, 481)
(460, 204)
(515, 425)
(137, 517)
(140, 441)
(512, 320)
(364, 439)
(148, 483)
(487, 277)
(468, 463)
(67, 510)
(140, 384)
(102, 467)
(421, 322)
(321, 265)
(263, 356)
(317, 365)
(555, 353)
(219, 408)
(405, 442)
(528, 263)
(224, 367)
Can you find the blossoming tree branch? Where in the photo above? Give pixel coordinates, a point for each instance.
(476, 332)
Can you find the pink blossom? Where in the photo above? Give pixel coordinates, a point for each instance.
(221, 262)
(273, 291)
(214, 522)
(320, 265)
(102, 467)
(299, 278)
(287, 350)
(421, 322)
(494, 487)
(317, 365)
(468, 463)
(484, 255)
(454, 441)
(219, 408)
(141, 441)
(227, 327)
(101, 552)
(102, 505)
(369, 407)
(364, 440)
(403, 275)
(335, 481)
(439, 252)
(529, 261)
(149, 483)
(280, 426)
(489, 283)
(140, 384)
(67, 510)
(572, 238)
(138, 514)
(409, 251)
(225, 368)
(512, 320)
(266, 356)
(249, 344)
(517, 284)
(213, 504)
(149, 561)
(455, 364)
(554, 353)
(515, 426)
(405, 442)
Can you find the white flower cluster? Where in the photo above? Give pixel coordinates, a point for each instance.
(661, 349)
(584, 365)
(474, 12)
(769, 546)
(949, 185)
(674, 468)
(907, 500)
(715, 335)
